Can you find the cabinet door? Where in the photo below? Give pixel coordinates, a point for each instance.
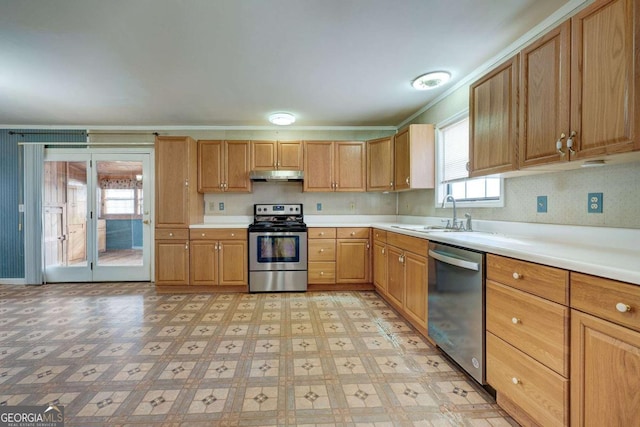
(605, 362)
(210, 166)
(415, 298)
(238, 163)
(395, 285)
(263, 155)
(380, 164)
(605, 78)
(289, 155)
(172, 175)
(318, 166)
(172, 262)
(352, 263)
(204, 263)
(350, 166)
(544, 98)
(402, 158)
(380, 267)
(493, 121)
(233, 259)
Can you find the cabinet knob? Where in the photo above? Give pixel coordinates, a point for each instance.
(321, 250)
(170, 234)
(322, 273)
(203, 235)
(407, 180)
(186, 247)
(391, 184)
(517, 275)
(321, 233)
(353, 233)
(515, 320)
(622, 307)
(233, 234)
(382, 251)
(515, 380)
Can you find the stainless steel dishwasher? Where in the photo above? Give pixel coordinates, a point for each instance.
(456, 305)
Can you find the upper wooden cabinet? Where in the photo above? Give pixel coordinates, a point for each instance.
(578, 86)
(177, 202)
(334, 166)
(223, 166)
(414, 157)
(380, 164)
(493, 121)
(271, 155)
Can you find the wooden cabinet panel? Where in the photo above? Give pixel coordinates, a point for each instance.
(601, 297)
(172, 234)
(322, 250)
(412, 244)
(350, 166)
(414, 157)
(380, 266)
(211, 164)
(380, 162)
(379, 235)
(290, 155)
(605, 372)
(605, 78)
(318, 166)
(204, 263)
(233, 262)
(415, 303)
(238, 165)
(546, 282)
(493, 121)
(322, 233)
(218, 234)
(534, 325)
(322, 273)
(353, 232)
(172, 262)
(544, 97)
(334, 166)
(352, 260)
(395, 283)
(264, 155)
(536, 389)
(177, 202)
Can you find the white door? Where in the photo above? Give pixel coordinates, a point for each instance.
(97, 211)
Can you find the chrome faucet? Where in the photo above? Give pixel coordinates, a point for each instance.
(449, 198)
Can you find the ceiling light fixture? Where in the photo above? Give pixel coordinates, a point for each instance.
(431, 80)
(282, 119)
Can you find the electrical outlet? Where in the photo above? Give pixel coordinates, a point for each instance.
(594, 203)
(212, 206)
(318, 207)
(221, 206)
(352, 206)
(541, 204)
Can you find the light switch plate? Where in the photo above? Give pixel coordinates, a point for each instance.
(318, 206)
(541, 204)
(594, 203)
(221, 206)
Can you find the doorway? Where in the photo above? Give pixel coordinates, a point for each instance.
(97, 214)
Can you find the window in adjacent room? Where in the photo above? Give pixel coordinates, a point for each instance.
(452, 139)
(125, 201)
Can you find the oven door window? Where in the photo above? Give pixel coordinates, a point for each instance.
(278, 249)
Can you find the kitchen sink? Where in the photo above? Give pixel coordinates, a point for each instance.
(425, 228)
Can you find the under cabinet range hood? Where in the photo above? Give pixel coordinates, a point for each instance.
(276, 175)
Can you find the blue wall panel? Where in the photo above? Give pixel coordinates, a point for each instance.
(124, 233)
(11, 192)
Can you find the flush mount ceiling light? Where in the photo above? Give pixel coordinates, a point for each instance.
(431, 80)
(282, 119)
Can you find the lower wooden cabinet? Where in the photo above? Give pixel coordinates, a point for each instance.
(172, 257)
(605, 352)
(379, 262)
(219, 257)
(321, 250)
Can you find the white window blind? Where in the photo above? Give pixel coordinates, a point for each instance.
(455, 145)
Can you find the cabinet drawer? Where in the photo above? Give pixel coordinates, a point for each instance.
(412, 244)
(379, 235)
(172, 234)
(322, 250)
(604, 298)
(321, 233)
(218, 234)
(546, 282)
(534, 325)
(536, 389)
(321, 272)
(353, 233)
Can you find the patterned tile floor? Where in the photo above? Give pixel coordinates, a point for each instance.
(120, 354)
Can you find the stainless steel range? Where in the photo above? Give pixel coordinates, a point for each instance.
(277, 249)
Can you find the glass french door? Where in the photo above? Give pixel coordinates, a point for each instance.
(96, 213)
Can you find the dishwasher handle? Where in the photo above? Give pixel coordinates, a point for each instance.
(469, 265)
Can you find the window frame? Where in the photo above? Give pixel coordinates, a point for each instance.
(441, 188)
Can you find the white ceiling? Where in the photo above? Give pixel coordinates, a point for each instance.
(233, 62)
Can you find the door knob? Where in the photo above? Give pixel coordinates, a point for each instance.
(146, 221)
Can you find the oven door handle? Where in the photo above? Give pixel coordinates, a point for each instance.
(454, 261)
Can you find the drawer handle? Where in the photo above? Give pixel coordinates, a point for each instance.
(516, 381)
(321, 234)
(353, 233)
(517, 275)
(515, 320)
(622, 307)
(170, 234)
